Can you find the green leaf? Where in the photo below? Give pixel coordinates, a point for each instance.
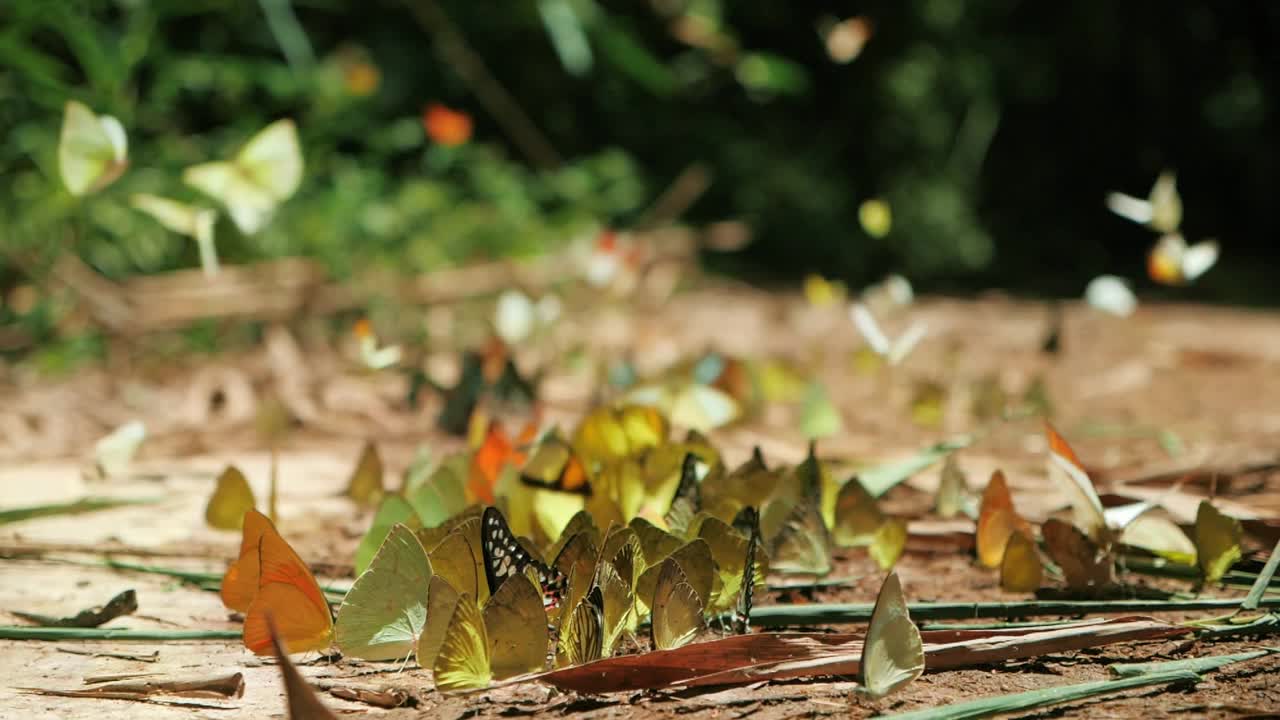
(1001, 704)
(768, 73)
(883, 478)
(567, 36)
(1264, 580)
(1195, 665)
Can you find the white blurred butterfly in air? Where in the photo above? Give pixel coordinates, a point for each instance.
(92, 150)
(894, 352)
(1172, 261)
(1111, 294)
(266, 172)
(195, 222)
(1161, 210)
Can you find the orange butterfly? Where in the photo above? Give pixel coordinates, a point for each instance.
(496, 452)
(270, 578)
(997, 522)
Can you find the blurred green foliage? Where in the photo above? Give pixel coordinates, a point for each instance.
(993, 128)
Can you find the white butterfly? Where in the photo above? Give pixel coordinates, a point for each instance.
(114, 452)
(373, 356)
(194, 222)
(892, 653)
(895, 351)
(1161, 211)
(515, 316)
(1109, 293)
(1173, 262)
(266, 172)
(1132, 524)
(92, 150)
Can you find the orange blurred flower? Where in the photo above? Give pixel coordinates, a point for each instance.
(446, 126)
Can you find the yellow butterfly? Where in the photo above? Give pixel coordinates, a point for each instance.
(859, 523)
(266, 172)
(893, 653)
(508, 638)
(365, 485)
(92, 150)
(1161, 210)
(997, 522)
(1217, 541)
(1020, 570)
(677, 608)
(231, 499)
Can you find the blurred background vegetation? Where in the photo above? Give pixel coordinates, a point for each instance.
(994, 128)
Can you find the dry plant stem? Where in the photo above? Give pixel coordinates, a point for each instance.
(13, 632)
(835, 613)
(683, 192)
(226, 686)
(126, 603)
(453, 49)
(135, 657)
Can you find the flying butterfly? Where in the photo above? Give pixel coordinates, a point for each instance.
(263, 174)
(504, 557)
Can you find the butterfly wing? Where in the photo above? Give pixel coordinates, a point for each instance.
(1130, 207)
(869, 328)
(1020, 570)
(92, 149)
(583, 636)
(1198, 258)
(272, 160)
(892, 654)
(287, 590)
(232, 498)
(462, 662)
(504, 558)
(240, 583)
(516, 627)
(677, 608)
(249, 206)
(1086, 506)
(384, 613)
(1217, 539)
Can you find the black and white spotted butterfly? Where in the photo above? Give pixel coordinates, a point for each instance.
(504, 557)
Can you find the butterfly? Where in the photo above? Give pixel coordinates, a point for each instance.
(687, 500)
(583, 637)
(372, 355)
(1133, 523)
(894, 352)
(270, 578)
(953, 490)
(1111, 294)
(1085, 565)
(196, 223)
(607, 434)
(232, 498)
(819, 417)
(264, 173)
(860, 523)
(383, 614)
(556, 465)
(740, 564)
(113, 453)
(1161, 210)
(92, 150)
(1020, 569)
(892, 653)
(1217, 541)
(365, 483)
(1172, 261)
(504, 558)
(677, 608)
(997, 522)
(689, 404)
(507, 638)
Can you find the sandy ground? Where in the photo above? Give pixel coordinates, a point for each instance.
(1203, 374)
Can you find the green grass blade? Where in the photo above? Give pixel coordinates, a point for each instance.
(882, 478)
(1195, 665)
(1264, 580)
(1000, 704)
(76, 507)
(206, 580)
(1159, 567)
(17, 632)
(1266, 625)
(836, 613)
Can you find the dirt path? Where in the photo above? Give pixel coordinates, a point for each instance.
(1119, 387)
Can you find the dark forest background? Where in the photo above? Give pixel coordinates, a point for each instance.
(994, 128)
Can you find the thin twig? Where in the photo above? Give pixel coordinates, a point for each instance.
(454, 49)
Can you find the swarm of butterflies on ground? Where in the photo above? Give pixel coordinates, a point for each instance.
(528, 554)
